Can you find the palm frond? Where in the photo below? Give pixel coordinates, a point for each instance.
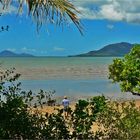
(57, 12)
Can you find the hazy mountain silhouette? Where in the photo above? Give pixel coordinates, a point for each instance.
(7, 53)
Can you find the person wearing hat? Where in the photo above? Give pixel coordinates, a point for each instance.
(65, 103)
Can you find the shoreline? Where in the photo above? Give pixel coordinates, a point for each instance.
(53, 109)
(75, 98)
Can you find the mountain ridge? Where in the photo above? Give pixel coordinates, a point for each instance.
(116, 49)
(7, 53)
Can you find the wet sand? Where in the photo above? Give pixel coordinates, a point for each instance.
(40, 68)
(43, 73)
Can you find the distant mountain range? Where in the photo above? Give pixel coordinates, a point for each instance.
(7, 53)
(111, 50)
(117, 49)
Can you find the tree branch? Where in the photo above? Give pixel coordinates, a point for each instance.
(134, 93)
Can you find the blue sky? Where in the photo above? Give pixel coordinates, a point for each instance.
(105, 22)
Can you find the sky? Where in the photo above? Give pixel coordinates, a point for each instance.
(104, 21)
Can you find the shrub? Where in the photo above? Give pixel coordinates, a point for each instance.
(126, 71)
(120, 120)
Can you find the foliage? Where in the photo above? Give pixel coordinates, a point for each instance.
(20, 119)
(56, 127)
(120, 121)
(84, 115)
(126, 71)
(47, 11)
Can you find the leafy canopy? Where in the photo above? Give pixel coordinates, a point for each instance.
(126, 71)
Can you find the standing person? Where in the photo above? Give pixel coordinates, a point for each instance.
(65, 103)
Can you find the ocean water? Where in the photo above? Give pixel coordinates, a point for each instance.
(46, 68)
(71, 76)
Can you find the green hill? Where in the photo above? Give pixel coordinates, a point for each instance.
(117, 49)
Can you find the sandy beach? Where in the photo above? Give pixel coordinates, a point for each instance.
(53, 109)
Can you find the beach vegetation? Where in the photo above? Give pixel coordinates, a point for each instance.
(84, 115)
(126, 71)
(20, 117)
(120, 120)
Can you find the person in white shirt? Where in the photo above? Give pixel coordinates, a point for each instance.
(65, 103)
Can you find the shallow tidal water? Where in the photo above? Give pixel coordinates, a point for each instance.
(71, 76)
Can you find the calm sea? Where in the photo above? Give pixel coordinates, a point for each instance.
(66, 75)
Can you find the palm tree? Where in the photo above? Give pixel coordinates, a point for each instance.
(57, 12)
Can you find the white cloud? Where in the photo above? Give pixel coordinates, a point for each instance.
(11, 49)
(115, 10)
(86, 13)
(58, 49)
(25, 49)
(112, 12)
(110, 26)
